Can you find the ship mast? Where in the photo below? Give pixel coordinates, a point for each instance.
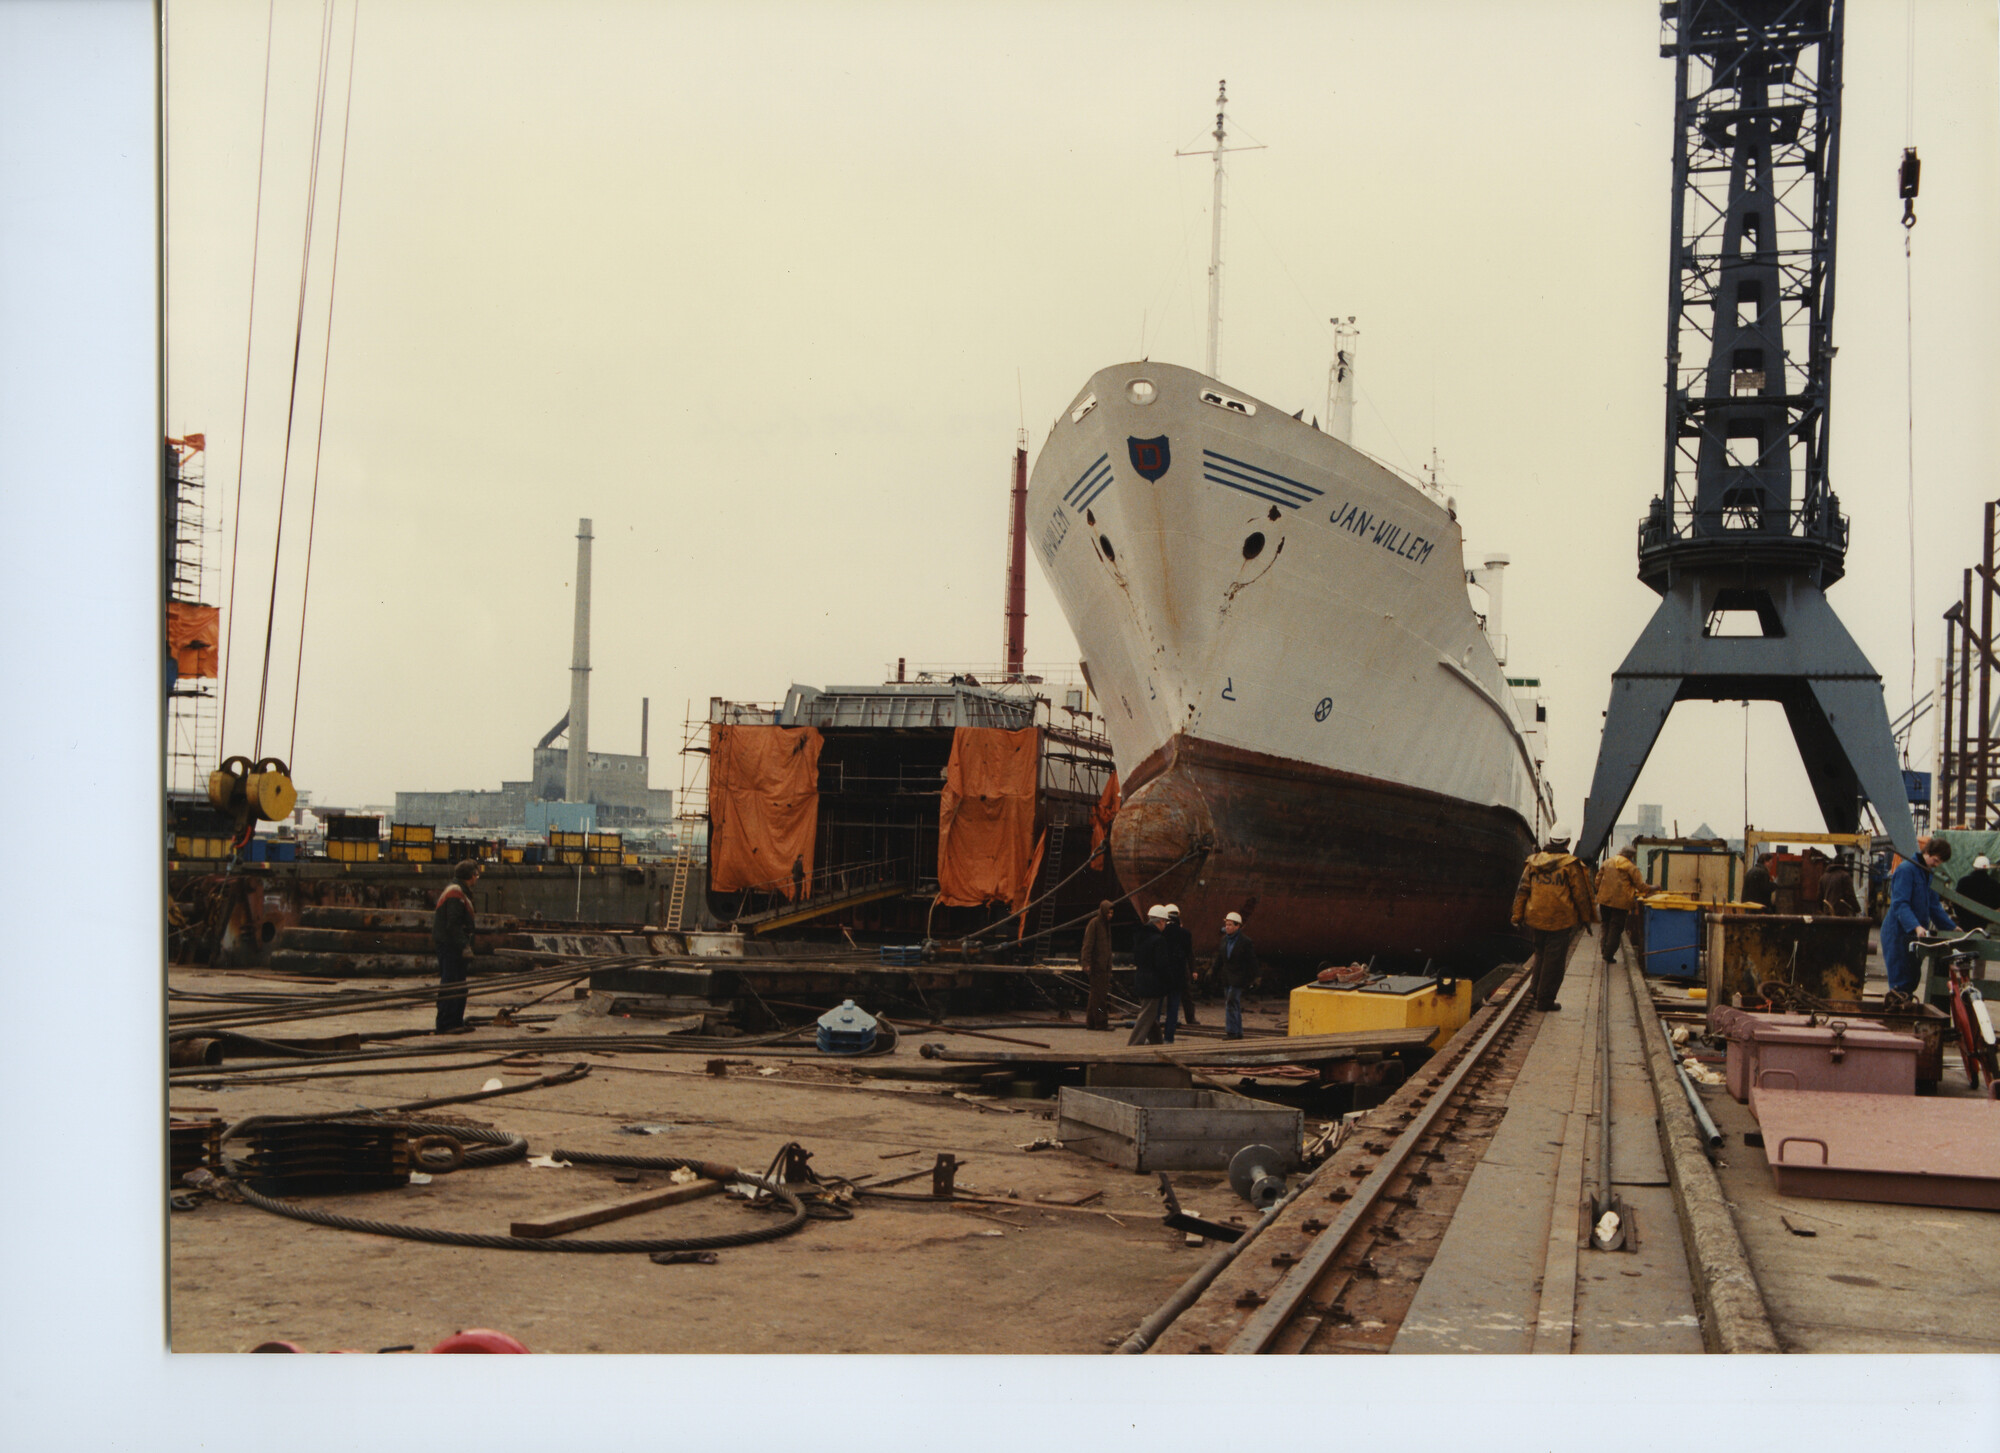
(1340, 381)
(1215, 234)
(1215, 221)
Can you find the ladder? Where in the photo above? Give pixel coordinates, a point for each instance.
(677, 897)
(1045, 916)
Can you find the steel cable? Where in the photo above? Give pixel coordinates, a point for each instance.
(977, 934)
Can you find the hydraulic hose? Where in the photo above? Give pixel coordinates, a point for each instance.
(438, 1236)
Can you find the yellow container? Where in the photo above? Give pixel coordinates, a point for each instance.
(412, 833)
(511, 855)
(1407, 1002)
(353, 852)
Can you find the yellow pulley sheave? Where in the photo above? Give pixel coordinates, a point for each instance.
(263, 792)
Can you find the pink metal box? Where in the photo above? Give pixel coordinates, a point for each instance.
(1835, 1057)
(1739, 1025)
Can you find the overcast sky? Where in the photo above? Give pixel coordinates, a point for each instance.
(766, 290)
(767, 330)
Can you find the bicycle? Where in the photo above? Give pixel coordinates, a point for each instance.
(1978, 1045)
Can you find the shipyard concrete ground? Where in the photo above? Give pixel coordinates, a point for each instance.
(897, 1278)
(1854, 1276)
(902, 1277)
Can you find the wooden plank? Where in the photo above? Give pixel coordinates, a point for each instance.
(1293, 1049)
(616, 1210)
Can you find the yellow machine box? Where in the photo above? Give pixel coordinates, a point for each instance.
(1400, 1001)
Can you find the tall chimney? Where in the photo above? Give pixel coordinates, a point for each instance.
(576, 786)
(645, 715)
(1016, 643)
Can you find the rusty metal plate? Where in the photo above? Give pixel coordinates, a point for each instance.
(1910, 1150)
(1826, 957)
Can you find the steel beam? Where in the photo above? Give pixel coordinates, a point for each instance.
(1805, 660)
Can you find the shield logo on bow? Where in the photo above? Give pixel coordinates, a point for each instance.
(1150, 456)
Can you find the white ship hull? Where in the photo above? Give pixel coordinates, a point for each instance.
(1277, 630)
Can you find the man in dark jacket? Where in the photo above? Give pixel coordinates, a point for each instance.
(1095, 959)
(1235, 968)
(451, 935)
(1759, 886)
(1836, 890)
(1182, 952)
(1152, 981)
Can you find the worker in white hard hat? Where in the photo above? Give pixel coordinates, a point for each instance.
(1555, 899)
(1235, 968)
(1150, 982)
(1181, 952)
(1979, 885)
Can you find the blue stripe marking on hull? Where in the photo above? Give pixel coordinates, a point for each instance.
(1254, 479)
(1276, 499)
(1084, 480)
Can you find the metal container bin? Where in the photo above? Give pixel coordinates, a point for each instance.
(1739, 1026)
(1672, 938)
(1826, 957)
(1148, 1130)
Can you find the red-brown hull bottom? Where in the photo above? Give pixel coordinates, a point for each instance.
(1321, 864)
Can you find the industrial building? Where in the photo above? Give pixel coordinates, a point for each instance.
(616, 787)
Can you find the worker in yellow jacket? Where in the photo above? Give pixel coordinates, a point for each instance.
(1618, 890)
(1554, 899)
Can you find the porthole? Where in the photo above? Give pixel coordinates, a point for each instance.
(1253, 546)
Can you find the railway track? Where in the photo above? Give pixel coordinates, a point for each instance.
(1334, 1269)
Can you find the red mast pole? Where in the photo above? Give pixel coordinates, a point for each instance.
(1016, 647)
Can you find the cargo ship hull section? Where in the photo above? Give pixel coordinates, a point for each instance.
(1322, 862)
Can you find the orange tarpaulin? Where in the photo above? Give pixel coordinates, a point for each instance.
(1102, 814)
(986, 819)
(763, 805)
(192, 632)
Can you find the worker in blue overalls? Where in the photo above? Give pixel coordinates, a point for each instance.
(1914, 910)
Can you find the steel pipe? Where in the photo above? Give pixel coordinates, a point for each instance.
(1191, 1289)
